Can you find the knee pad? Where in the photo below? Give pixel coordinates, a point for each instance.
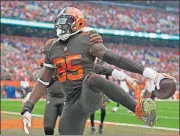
(49, 130)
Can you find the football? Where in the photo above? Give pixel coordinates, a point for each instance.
(167, 89)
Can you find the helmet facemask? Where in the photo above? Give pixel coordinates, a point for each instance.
(63, 26)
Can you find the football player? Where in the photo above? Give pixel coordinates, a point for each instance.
(54, 105)
(73, 55)
(55, 100)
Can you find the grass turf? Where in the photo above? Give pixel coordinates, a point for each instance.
(167, 112)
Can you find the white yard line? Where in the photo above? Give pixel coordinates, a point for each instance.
(127, 114)
(110, 123)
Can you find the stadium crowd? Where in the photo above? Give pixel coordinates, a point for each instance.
(21, 57)
(98, 15)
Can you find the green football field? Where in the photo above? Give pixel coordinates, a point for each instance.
(167, 113)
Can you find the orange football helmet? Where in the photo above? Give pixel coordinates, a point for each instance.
(69, 21)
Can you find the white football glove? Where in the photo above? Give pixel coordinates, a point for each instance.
(156, 77)
(26, 121)
(120, 75)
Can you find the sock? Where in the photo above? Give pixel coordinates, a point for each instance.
(103, 114)
(92, 120)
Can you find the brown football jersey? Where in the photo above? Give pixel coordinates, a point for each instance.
(72, 60)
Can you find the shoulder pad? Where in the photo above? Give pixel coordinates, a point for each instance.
(95, 37)
(48, 43)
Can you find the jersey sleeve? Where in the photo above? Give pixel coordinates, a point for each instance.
(104, 70)
(95, 41)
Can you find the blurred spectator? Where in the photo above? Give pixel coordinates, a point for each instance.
(3, 92)
(10, 91)
(20, 58)
(97, 15)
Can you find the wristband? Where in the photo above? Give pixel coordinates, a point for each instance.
(118, 75)
(28, 106)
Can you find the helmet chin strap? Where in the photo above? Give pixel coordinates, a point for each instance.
(64, 37)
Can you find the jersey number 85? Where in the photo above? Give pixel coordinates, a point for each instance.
(65, 69)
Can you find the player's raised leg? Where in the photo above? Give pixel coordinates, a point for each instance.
(145, 109)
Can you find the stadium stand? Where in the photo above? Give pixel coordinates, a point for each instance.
(21, 54)
(24, 54)
(113, 16)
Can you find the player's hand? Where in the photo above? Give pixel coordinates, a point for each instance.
(120, 75)
(26, 121)
(161, 76)
(132, 82)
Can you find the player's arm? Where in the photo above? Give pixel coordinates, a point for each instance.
(104, 70)
(43, 80)
(100, 51)
(116, 74)
(37, 92)
(109, 71)
(40, 87)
